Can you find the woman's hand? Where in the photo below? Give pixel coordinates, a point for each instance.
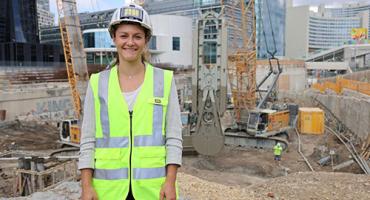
(88, 193)
(168, 191)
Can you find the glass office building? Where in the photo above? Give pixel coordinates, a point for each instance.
(330, 32)
(331, 27)
(350, 10)
(19, 37)
(309, 32)
(99, 46)
(97, 38)
(274, 31)
(18, 21)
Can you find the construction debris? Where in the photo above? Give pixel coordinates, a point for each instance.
(33, 177)
(343, 165)
(366, 149)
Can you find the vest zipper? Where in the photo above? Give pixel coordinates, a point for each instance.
(131, 140)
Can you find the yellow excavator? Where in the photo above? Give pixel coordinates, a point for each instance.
(75, 58)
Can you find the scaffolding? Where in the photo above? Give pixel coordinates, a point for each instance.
(242, 59)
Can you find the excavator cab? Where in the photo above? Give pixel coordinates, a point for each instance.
(265, 121)
(69, 131)
(257, 122)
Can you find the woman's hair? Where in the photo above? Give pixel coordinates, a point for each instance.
(145, 57)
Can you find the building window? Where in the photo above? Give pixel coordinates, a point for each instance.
(210, 52)
(210, 30)
(89, 40)
(153, 43)
(176, 43)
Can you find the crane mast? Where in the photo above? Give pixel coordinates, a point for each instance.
(242, 59)
(75, 56)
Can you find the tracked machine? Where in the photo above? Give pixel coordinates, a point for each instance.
(224, 63)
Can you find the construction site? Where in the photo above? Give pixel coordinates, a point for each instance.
(235, 109)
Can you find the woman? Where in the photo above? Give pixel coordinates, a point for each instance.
(131, 141)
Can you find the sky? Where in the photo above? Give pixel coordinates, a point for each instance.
(97, 5)
(92, 5)
(328, 2)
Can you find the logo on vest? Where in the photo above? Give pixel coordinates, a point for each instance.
(158, 101)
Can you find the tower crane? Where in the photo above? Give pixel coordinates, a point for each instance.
(75, 58)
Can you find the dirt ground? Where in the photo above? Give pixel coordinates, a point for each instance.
(23, 135)
(240, 173)
(236, 173)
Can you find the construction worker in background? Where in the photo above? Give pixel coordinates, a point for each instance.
(278, 149)
(131, 142)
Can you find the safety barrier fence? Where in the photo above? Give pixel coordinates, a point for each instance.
(341, 83)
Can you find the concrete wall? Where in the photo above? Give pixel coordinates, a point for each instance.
(296, 32)
(49, 102)
(352, 109)
(353, 112)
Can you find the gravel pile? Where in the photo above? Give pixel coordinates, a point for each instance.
(307, 185)
(302, 186)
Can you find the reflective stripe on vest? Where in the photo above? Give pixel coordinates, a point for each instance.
(156, 139)
(122, 173)
(145, 173)
(139, 173)
(107, 141)
(111, 174)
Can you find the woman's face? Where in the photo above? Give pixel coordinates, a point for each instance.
(130, 42)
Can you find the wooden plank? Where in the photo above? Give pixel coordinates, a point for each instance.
(41, 182)
(33, 183)
(366, 143)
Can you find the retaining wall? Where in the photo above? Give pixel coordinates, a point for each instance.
(352, 109)
(47, 102)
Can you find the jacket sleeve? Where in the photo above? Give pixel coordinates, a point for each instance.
(173, 129)
(87, 142)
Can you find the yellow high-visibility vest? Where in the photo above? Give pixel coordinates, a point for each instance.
(277, 150)
(130, 145)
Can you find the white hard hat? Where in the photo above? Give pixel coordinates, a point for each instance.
(131, 13)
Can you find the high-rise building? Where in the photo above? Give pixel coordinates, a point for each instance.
(309, 32)
(191, 8)
(18, 21)
(351, 10)
(44, 16)
(274, 29)
(44, 4)
(19, 37)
